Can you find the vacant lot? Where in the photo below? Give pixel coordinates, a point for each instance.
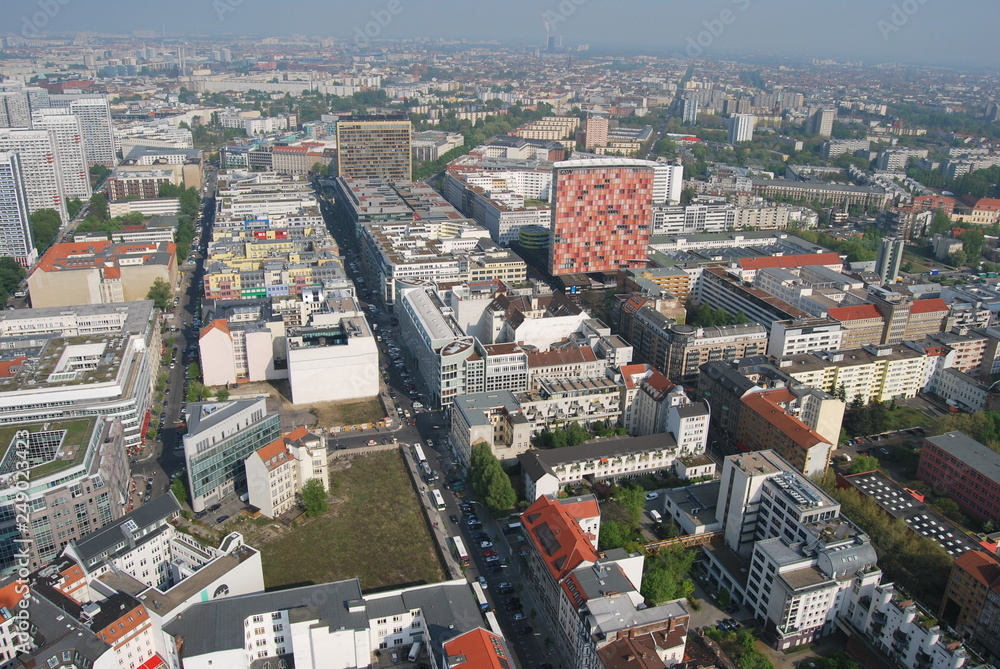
(374, 530)
(321, 414)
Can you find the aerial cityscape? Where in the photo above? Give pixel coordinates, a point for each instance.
(548, 335)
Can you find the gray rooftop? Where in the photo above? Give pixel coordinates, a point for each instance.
(154, 512)
(977, 456)
(475, 407)
(203, 416)
(601, 448)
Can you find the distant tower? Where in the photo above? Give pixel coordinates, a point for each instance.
(690, 112)
(821, 122)
(741, 128)
(890, 258)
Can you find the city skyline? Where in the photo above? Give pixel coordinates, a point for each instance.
(907, 31)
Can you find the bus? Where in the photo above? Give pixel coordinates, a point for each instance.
(418, 454)
(492, 624)
(461, 554)
(438, 499)
(477, 590)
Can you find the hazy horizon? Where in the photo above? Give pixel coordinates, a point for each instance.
(906, 31)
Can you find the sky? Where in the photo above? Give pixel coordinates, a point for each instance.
(945, 32)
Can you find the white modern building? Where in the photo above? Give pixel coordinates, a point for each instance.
(41, 168)
(276, 472)
(94, 113)
(741, 128)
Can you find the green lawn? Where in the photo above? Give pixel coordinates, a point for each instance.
(78, 433)
(378, 533)
(904, 417)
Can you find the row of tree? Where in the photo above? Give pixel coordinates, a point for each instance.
(704, 316)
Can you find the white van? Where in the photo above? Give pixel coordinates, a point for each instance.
(655, 515)
(414, 652)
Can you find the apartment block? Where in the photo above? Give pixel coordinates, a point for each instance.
(804, 335)
(94, 113)
(41, 168)
(432, 144)
(549, 128)
(860, 325)
(839, 194)
(723, 384)
(495, 419)
(966, 470)
(79, 273)
(588, 600)
(672, 280)
(768, 420)
(16, 240)
(141, 184)
(601, 215)
(68, 133)
(220, 437)
(277, 472)
(872, 372)
(972, 575)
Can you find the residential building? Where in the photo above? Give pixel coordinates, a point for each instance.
(679, 350)
(495, 419)
(432, 144)
(597, 131)
(76, 482)
(872, 197)
(68, 132)
(547, 471)
(371, 147)
(329, 626)
(220, 436)
(890, 258)
(78, 273)
(768, 420)
(723, 290)
(671, 280)
(601, 215)
(41, 168)
(966, 470)
(549, 128)
(16, 239)
(821, 122)
(141, 184)
(690, 111)
(872, 372)
(741, 128)
(896, 159)
(587, 600)
(477, 649)
(94, 113)
(723, 384)
(804, 335)
(277, 472)
(960, 390)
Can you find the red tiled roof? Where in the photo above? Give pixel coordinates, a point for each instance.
(557, 537)
(8, 368)
(217, 324)
(765, 405)
(481, 650)
(791, 261)
(10, 596)
(856, 313)
(981, 566)
(927, 306)
(987, 204)
(279, 448)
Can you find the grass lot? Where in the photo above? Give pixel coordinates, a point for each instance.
(376, 533)
(329, 414)
(903, 417)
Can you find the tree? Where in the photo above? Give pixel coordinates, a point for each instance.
(11, 274)
(99, 173)
(490, 481)
(666, 575)
(73, 206)
(161, 294)
(222, 395)
(179, 489)
(314, 499)
(972, 243)
(613, 535)
(863, 463)
(320, 169)
(193, 371)
(99, 207)
(633, 500)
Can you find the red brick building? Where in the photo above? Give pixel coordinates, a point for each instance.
(966, 469)
(602, 214)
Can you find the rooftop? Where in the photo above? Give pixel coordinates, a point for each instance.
(969, 451)
(51, 446)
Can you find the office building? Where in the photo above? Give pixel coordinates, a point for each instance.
(803, 336)
(668, 182)
(966, 470)
(220, 436)
(77, 482)
(770, 420)
(872, 372)
(344, 348)
(15, 110)
(890, 259)
(370, 147)
(741, 128)
(94, 113)
(16, 240)
(40, 166)
(601, 215)
(821, 122)
(69, 143)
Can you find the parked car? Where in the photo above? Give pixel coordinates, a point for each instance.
(453, 518)
(483, 584)
(524, 631)
(519, 616)
(222, 519)
(480, 536)
(486, 544)
(489, 554)
(652, 495)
